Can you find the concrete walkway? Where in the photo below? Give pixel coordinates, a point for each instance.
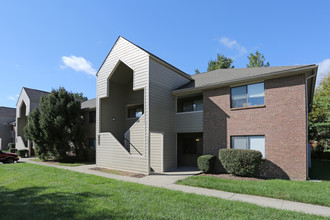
(167, 180)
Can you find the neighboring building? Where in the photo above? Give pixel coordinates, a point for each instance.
(89, 116)
(151, 116)
(27, 101)
(30, 99)
(7, 132)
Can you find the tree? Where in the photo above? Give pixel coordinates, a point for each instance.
(257, 60)
(57, 128)
(80, 96)
(197, 71)
(221, 62)
(319, 117)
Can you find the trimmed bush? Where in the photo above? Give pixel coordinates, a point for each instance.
(13, 150)
(11, 146)
(22, 153)
(206, 163)
(240, 162)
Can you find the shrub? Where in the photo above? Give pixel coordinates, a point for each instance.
(206, 163)
(11, 146)
(23, 153)
(13, 150)
(240, 162)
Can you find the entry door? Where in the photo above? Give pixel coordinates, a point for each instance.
(190, 147)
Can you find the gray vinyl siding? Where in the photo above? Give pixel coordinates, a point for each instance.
(109, 152)
(136, 137)
(156, 151)
(189, 122)
(7, 115)
(162, 81)
(21, 119)
(133, 57)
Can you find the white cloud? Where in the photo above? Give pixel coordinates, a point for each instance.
(232, 44)
(78, 64)
(13, 98)
(324, 66)
(323, 70)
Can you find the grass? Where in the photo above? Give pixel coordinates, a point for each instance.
(300, 191)
(61, 164)
(39, 192)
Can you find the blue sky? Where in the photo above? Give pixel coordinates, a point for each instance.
(48, 44)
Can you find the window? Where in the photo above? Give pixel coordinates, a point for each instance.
(92, 143)
(92, 117)
(135, 111)
(249, 143)
(190, 104)
(248, 95)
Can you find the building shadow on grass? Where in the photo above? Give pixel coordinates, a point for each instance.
(35, 203)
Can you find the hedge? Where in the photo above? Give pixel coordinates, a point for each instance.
(11, 146)
(13, 150)
(206, 163)
(22, 153)
(240, 162)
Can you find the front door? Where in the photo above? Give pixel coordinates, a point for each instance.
(190, 147)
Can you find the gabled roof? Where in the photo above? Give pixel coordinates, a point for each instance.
(34, 94)
(89, 104)
(151, 55)
(236, 75)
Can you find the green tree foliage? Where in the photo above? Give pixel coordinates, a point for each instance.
(197, 71)
(80, 96)
(257, 60)
(56, 128)
(221, 62)
(319, 118)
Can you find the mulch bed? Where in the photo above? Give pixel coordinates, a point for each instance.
(230, 176)
(119, 172)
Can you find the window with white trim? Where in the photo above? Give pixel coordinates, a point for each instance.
(249, 143)
(248, 95)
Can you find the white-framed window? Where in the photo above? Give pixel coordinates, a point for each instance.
(248, 95)
(253, 142)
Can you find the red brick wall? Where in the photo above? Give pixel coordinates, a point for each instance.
(282, 121)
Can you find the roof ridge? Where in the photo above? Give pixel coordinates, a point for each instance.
(37, 90)
(248, 68)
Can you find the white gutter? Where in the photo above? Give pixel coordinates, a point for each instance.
(307, 144)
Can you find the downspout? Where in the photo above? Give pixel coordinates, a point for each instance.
(307, 144)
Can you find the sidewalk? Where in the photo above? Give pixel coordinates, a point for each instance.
(167, 180)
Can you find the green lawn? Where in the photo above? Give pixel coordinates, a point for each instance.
(61, 164)
(300, 191)
(29, 191)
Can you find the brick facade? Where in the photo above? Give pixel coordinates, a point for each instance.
(282, 120)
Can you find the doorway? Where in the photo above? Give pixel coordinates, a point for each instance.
(190, 147)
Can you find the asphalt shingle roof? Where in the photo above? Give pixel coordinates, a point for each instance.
(8, 112)
(220, 76)
(35, 94)
(89, 104)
